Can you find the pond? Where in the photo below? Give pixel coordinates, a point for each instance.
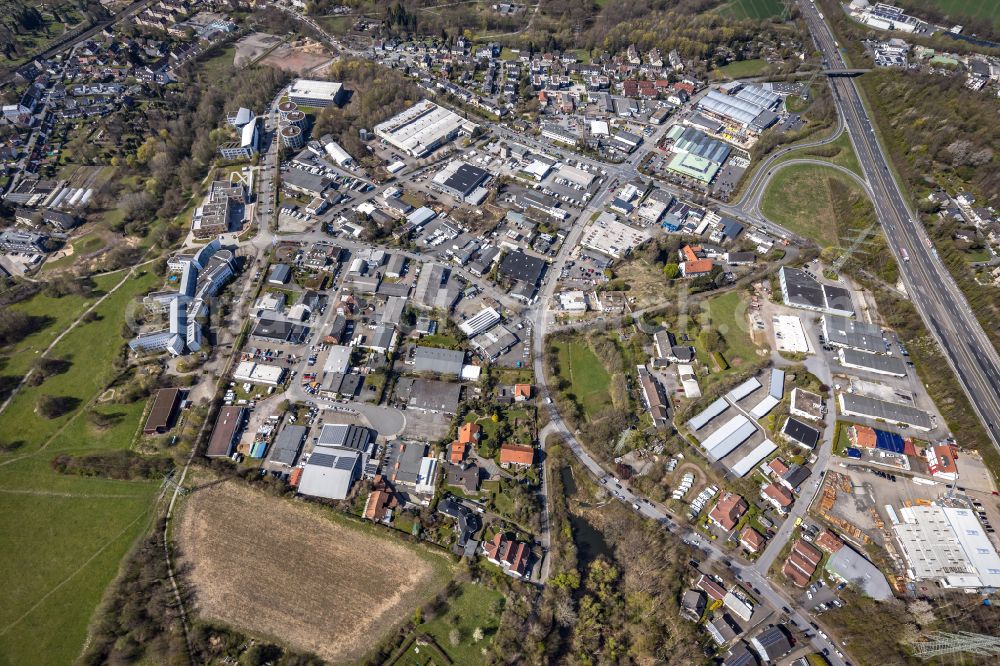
(589, 541)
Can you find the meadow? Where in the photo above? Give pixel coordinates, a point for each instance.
(66, 534)
(589, 380)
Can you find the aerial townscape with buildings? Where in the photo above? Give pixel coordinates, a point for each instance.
(411, 333)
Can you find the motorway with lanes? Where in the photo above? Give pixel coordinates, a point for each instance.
(933, 291)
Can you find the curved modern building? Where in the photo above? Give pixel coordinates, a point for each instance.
(292, 136)
(296, 118)
(285, 108)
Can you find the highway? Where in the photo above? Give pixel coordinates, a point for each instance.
(933, 291)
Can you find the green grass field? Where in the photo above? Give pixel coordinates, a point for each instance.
(62, 312)
(337, 25)
(839, 152)
(440, 340)
(985, 9)
(471, 608)
(220, 62)
(799, 199)
(795, 103)
(977, 255)
(588, 379)
(66, 535)
(88, 244)
(727, 314)
(753, 9)
(740, 69)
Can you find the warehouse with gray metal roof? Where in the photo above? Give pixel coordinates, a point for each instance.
(878, 363)
(852, 404)
(844, 332)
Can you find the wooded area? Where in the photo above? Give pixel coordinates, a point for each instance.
(620, 607)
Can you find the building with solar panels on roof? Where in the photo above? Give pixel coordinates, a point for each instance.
(330, 473)
(800, 289)
(460, 179)
(751, 108)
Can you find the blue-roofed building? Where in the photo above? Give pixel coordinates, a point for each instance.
(889, 441)
(671, 222)
(730, 228)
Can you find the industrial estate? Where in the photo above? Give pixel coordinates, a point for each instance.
(415, 334)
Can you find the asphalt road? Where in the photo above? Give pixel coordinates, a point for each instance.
(753, 576)
(941, 304)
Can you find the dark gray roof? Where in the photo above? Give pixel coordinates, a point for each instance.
(443, 361)
(853, 333)
(58, 218)
(468, 521)
(800, 432)
(341, 436)
(303, 180)
(402, 461)
(279, 273)
(393, 288)
(772, 643)
(892, 365)
(802, 289)
(429, 394)
(741, 257)
(805, 291)
(838, 298)
(382, 337)
(740, 655)
(274, 329)
(523, 268)
(893, 412)
(288, 444)
(466, 178)
(337, 327)
(796, 475)
(344, 463)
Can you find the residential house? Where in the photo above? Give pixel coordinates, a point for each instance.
(802, 562)
(777, 496)
(752, 540)
(508, 554)
(728, 511)
(516, 455)
(465, 476)
(710, 587)
(693, 604)
(381, 501)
